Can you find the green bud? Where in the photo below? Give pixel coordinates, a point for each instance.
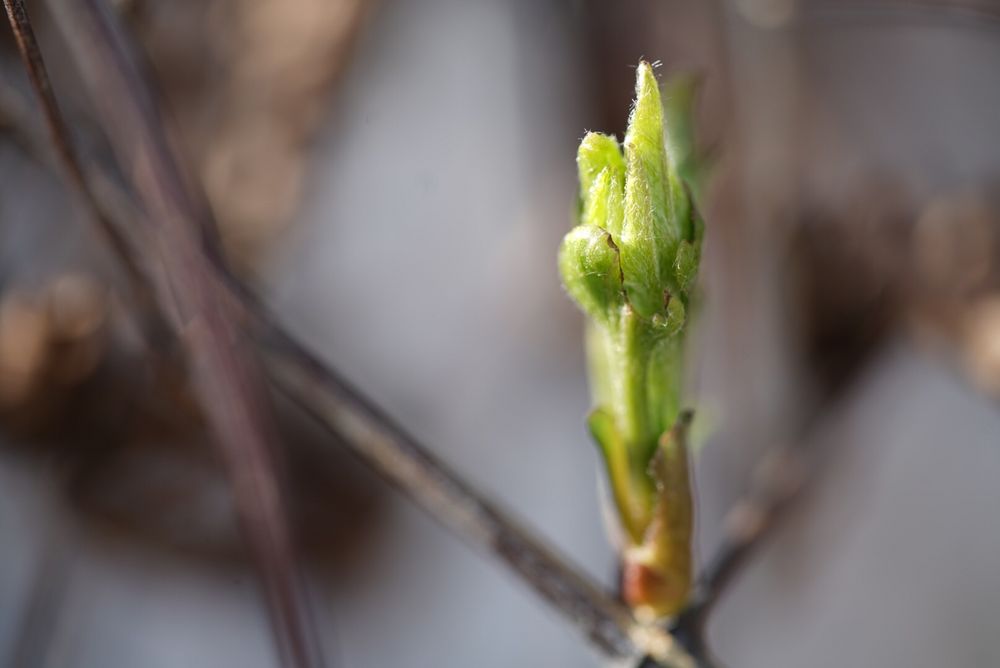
(588, 261)
(671, 321)
(599, 153)
(602, 204)
(631, 264)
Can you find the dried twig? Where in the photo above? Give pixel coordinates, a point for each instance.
(233, 397)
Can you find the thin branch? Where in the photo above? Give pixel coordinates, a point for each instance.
(224, 373)
(410, 467)
(777, 480)
(155, 327)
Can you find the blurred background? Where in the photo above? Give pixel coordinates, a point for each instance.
(395, 177)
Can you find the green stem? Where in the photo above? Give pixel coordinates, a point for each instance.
(634, 362)
(632, 410)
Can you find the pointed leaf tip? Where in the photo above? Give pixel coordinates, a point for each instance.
(648, 238)
(647, 112)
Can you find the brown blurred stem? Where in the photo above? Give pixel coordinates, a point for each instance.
(211, 303)
(777, 480)
(223, 369)
(154, 325)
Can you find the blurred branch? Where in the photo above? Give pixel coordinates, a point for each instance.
(155, 326)
(777, 480)
(137, 133)
(232, 393)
